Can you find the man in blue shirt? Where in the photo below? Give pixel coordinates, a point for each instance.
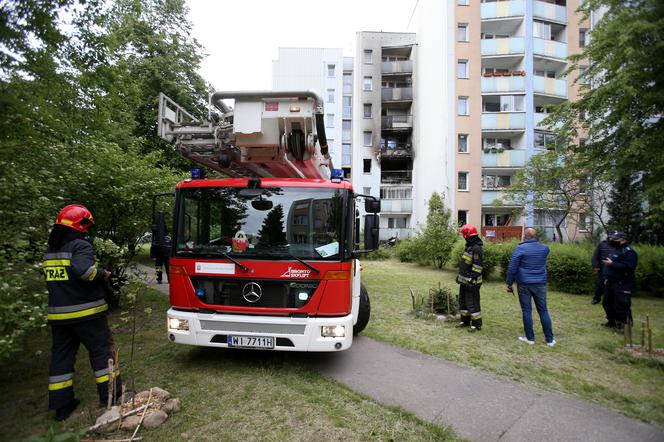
(528, 268)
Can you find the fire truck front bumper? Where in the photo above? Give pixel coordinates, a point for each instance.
(260, 332)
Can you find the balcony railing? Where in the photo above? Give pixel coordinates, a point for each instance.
(400, 150)
(396, 206)
(503, 46)
(549, 48)
(497, 198)
(549, 11)
(397, 93)
(512, 8)
(506, 158)
(396, 176)
(503, 84)
(396, 122)
(550, 86)
(397, 67)
(504, 121)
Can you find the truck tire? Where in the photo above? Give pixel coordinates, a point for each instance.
(365, 311)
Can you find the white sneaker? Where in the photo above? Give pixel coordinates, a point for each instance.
(526, 340)
(551, 344)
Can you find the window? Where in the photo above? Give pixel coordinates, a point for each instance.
(367, 110)
(367, 84)
(396, 193)
(367, 138)
(503, 103)
(462, 105)
(548, 74)
(541, 30)
(463, 2)
(348, 83)
(366, 190)
(331, 70)
(397, 223)
(329, 120)
(495, 219)
(346, 132)
(582, 77)
(367, 165)
(347, 107)
(462, 143)
(462, 181)
(496, 143)
(545, 140)
(462, 69)
(462, 32)
(583, 37)
(462, 217)
(585, 222)
(330, 95)
(496, 181)
(368, 55)
(346, 154)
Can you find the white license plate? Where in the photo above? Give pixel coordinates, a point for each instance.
(251, 341)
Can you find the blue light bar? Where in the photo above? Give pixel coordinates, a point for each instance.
(197, 174)
(337, 174)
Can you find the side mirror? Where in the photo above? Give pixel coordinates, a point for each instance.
(372, 205)
(261, 204)
(371, 231)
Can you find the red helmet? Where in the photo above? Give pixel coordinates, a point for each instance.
(75, 216)
(468, 230)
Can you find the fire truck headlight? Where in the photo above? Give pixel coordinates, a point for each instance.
(175, 324)
(333, 331)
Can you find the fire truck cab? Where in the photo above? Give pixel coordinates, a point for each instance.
(267, 258)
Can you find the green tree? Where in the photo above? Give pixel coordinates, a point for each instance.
(438, 237)
(272, 231)
(621, 104)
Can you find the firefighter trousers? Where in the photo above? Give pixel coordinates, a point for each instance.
(96, 337)
(469, 305)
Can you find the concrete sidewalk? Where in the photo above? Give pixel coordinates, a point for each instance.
(478, 406)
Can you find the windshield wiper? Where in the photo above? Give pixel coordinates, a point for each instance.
(234, 261)
(305, 263)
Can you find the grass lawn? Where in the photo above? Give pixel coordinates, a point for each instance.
(226, 395)
(587, 362)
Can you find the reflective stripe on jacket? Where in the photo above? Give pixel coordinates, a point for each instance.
(470, 264)
(74, 282)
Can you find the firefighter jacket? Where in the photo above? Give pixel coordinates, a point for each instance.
(470, 264)
(624, 264)
(74, 282)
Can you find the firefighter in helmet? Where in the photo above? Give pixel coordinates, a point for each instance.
(470, 280)
(76, 310)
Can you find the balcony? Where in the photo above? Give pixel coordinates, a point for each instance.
(503, 84)
(512, 8)
(550, 12)
(396, 122)
(506, 158)
(400, 150)
(549, 49)
(550, 86)
(396, 176)
(504, 121)
(497, 198)
(503, 46)
(397, 94)
(396, 206)
(397, 67)
(539, 117)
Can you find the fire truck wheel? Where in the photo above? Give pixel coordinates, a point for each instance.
(365, 311)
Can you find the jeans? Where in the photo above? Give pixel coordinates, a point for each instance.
(538, 293)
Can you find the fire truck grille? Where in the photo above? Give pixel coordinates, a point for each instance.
(267, 293)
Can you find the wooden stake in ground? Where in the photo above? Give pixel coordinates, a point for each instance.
(111, 384)
(649, 335)
(412, 296)
(643, 335)
(449, 307)
(147, 407)
(110, 421)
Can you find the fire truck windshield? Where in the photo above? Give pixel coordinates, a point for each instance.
(265, 223)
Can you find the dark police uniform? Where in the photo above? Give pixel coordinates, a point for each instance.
(603, 250)
(620, 278)
(77, 314)
(470, 280)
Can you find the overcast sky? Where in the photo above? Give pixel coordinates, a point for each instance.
(242, 37)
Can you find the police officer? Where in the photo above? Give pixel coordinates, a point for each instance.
(470, 280)
(76, 310)
(603, 249)
(620, 281)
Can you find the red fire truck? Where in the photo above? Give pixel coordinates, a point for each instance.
(269, 257)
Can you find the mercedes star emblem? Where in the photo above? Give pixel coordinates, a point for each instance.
(252, 292)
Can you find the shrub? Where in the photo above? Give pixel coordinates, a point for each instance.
(423, 307)
(650, 269)
(380, 254)
(569, 268)
(491, 256)
(408, 250)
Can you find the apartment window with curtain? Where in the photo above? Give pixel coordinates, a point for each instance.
(329, 120)
(347, 107)
(346, 154)
(541, 30)
(330, 95)
(367, 138)
(462, 143)
(346, 130)
(331, 70)
(462, 181)
(462, 69)
(368, 56)
(367, 84)
(348, 83)
(462, 32)
(367, 110)
(462, 105)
